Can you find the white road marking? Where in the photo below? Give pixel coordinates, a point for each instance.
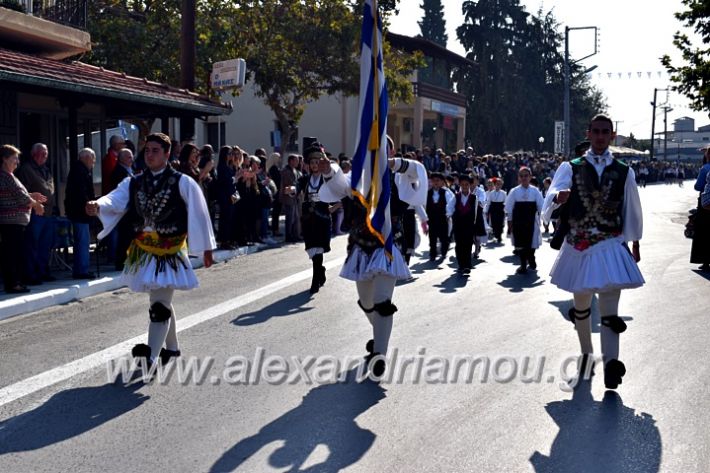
(56, 375)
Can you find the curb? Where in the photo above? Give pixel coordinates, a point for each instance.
(73, 292)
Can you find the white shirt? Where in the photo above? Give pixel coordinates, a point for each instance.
(495, 196)
(450, 200)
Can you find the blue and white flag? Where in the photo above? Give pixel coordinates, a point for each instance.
(370, 180)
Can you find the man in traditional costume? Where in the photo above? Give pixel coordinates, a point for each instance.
(375, 265)
(167, 210)
(522, 207)
(315, 216)
(604, 213)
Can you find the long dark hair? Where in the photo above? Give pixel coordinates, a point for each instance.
(185, 153)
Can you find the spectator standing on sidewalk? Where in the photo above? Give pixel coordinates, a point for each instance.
(700, 250)
(110, 161)
(273, 168)
(80, 190)
(289, 196)
(36, 176)
(15, 207)
(167, 211)
(122, 234)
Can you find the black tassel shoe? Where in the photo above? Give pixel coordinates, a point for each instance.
(614, 370)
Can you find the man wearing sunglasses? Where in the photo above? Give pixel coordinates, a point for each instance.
(604, 212)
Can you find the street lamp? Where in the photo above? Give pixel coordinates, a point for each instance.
(541, 140)
(567, 77)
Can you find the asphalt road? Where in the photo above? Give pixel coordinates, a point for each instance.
(59, 411)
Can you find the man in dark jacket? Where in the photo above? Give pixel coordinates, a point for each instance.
(121, 236)
(80, 190)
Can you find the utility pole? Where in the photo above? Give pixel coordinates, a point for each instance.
(187, 61)
(567, 73)
(666, 109)
(653, 121)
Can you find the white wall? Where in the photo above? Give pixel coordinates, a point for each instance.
(251, 122)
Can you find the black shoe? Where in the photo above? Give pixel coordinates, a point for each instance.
(521, 270)
(322, 277)
(315, 284)
(377, 368)
(370, 346)
(166, 355)
(614, 370)
(84, 276)
(17, 289)
(141, 351)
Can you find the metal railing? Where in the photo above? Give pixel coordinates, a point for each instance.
(66, 12)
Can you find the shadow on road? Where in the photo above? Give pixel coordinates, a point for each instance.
(510, 259)
(419, 268)
(291, 305)
(518, 282)
(600, 437)
(703, 274)
(453, 283)
(68, 414)
(326, 417)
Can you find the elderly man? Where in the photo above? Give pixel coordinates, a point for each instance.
(121, 236)
(36, 176)
(80, 190)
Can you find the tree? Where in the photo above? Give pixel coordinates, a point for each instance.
(631, 142)
(517, 92)
(433, 25)
(693, 78)
(296, 51)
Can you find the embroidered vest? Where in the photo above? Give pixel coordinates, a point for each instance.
(157, 204)
(595, 205)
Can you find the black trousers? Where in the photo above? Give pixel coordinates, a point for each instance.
(11, 254)
(464, 245)
(527, 256)
(438, 232)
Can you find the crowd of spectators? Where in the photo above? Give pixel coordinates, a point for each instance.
(246, 194)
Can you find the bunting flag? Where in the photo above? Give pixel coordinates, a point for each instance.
(370, 181)
(630, 75)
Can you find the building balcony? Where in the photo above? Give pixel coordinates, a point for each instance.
(49, 28)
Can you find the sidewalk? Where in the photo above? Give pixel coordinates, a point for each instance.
(63, 291)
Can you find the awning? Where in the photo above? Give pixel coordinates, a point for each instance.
(96, 83)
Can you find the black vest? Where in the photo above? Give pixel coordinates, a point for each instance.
(158, 204)
(436, 210)
(597, 203)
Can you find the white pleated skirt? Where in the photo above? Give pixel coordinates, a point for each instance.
(359, 266)
(605, 266)
(144, 279)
